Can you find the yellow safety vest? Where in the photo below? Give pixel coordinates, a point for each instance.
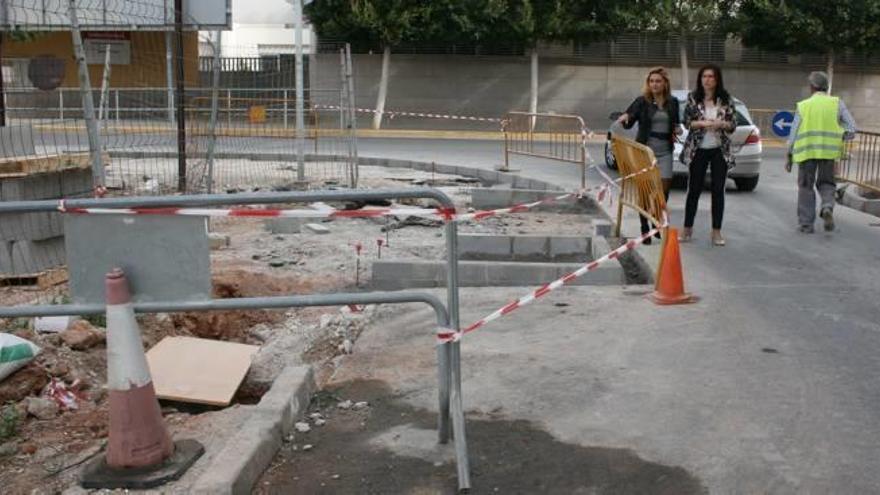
(820, 136)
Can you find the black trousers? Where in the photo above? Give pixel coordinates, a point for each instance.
(643, 220)
(703, 159)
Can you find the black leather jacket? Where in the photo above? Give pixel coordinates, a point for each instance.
(642, 111)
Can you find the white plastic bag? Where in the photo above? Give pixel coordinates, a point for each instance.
(15, 352)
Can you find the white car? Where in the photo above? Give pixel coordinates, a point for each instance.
(746, 144)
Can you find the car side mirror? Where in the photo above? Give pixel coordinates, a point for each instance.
(615, 115)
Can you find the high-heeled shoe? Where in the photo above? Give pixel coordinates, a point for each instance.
(686, 235)
(717, 240)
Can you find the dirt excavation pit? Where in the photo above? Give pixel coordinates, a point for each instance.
(365, 439)
(258, 260)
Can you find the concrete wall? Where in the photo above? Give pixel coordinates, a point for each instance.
(491, 86)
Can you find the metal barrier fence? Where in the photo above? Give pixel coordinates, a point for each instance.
(555, 137)
(641, 188)
(451, 423)
(860, 164)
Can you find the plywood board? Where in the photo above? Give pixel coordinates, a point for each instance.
(22, 166)
(201, 371)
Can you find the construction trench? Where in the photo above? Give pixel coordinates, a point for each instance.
(290, 256)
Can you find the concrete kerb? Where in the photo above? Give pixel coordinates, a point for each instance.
(236, 468)
(853, 200)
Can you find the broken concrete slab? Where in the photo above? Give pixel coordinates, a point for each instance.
(317, 228)
(217, 241)
(284, 225)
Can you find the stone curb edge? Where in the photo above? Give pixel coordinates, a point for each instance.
(247, 454)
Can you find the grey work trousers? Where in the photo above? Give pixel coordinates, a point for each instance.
(818, 174)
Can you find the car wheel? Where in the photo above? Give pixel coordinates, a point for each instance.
(746, 183)
(609, 155)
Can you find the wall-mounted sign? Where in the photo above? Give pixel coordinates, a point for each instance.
(96, 44)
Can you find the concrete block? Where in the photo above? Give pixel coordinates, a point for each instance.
(36, 256)
(5, 257)
(600, 247)
(500, 198)
(601, 228)
(471, 274)
(34, 226)
(245, 457)
(484, 246)
(531, 246)
(288, 397)
(217, 241)
(42, 186)
(569, 246)
(317, 228)
(76, 182)
(284, 225)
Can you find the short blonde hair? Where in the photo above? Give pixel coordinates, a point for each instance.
(646, 89)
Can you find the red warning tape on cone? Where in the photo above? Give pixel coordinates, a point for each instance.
(446, 335)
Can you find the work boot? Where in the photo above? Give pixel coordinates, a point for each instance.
(828, 216)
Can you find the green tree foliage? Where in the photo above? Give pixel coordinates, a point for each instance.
(807, 26)
(804, 26)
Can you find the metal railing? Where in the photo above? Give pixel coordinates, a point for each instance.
(860, 163)
(451, 422)
(641, 188)
(543, 135)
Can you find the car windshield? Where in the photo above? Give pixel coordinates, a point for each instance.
(741, 113)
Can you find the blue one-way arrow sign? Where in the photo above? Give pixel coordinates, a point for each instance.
(782, 123)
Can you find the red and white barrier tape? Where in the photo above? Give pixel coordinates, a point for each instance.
(446, 214)
(393, 113)
(445, 335)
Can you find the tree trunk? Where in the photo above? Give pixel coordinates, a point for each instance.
(383, 88)
(533, 95)
(830, 69)
(2, 89)
(682, 48)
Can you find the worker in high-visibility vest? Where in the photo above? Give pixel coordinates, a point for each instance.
(820, 126)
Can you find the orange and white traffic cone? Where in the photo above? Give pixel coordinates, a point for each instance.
(140, 452)
(669, 288)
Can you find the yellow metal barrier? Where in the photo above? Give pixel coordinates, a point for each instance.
(641, 188)
(860, 164)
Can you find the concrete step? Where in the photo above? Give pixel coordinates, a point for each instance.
(395, 275)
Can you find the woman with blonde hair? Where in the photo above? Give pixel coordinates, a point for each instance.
(656, 112)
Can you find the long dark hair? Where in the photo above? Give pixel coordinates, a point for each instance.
(720, 92)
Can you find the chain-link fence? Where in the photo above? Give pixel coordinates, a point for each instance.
(164, 112)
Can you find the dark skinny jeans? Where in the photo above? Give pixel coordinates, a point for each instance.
(697, 177)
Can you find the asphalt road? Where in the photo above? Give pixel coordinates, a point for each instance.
(786, 338)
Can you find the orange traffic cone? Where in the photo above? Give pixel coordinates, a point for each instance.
(140, 453)
(669, 288)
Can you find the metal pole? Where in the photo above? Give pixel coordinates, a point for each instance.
(284, 96)
(169, 74)
(215, 96)
(117, 105)
(61, 103)
(85, 88)
(353, 118)
(105, 83)
(298, 74)
(452, 358)
(2, 89)
(181, 117)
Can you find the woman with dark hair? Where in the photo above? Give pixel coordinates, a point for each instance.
(656, 112)
(709, 117)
